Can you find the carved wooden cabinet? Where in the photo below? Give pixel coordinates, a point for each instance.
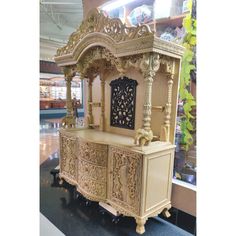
(109, 168)
(115, 159)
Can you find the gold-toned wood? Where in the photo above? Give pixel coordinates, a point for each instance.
(158, 108)
(102, 118)
(90, 102)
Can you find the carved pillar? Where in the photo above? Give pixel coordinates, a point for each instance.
(102, 118)
(69, 119)
(147, 106)
(90, 102)
(165, 130)
(149, 66)
(69, 73)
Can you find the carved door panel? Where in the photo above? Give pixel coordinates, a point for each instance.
(68, 157)
(124, 184)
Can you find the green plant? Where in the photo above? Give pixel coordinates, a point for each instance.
(189, 23)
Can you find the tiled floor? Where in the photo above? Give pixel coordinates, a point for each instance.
(61, 206)
(47, 228)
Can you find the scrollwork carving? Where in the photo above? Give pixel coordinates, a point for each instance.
(125, 178)
(92, 171)
(68, 156)
(93, 152)
(92, 187)
(97, 22)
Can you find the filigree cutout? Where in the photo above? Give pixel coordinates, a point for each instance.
(123, 101)
(97, 22)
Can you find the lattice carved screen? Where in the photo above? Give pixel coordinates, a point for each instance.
(123, 101)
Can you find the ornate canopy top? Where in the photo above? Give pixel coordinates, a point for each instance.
(112, 34)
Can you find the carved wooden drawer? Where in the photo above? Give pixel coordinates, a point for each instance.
(92, 171)
(93, 152)
(124, 184)
(68, 159)
(92, 189)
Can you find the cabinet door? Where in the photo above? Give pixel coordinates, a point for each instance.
(68, 158)
(124, 185)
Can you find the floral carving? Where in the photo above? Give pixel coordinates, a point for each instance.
(92, 187)
(123, 102)
(97, 22)
(92, 171)
(93, 153)
(125, 178)
(67, 156)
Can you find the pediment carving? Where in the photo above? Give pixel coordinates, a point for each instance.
(96, 21)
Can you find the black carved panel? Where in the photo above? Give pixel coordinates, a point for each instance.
(123, 99)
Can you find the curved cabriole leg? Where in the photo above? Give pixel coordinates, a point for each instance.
(140, 229)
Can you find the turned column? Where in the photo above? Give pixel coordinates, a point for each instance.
(165, 133)
(149, 66)
(90, 101)
(102, 118)
(147, 107)
(69, 73)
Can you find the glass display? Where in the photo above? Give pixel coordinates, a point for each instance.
(53, 92)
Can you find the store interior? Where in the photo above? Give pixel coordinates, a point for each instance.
(172, 21)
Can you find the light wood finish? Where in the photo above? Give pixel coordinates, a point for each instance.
(109, 168)
(102, 118)
(90, 120)
(123, 168)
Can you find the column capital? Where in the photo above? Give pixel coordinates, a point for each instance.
(150, 64)
(69, 72)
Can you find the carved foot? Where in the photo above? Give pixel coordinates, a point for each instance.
(166, 213)
(140, 229)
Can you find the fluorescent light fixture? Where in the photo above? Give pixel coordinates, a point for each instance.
(115, 4)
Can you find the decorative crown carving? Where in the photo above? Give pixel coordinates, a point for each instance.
(96, 21)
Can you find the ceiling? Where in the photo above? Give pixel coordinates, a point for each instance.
(58, 19)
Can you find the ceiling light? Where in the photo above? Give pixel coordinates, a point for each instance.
(115, 4)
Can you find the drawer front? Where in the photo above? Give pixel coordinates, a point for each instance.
(68, 160)
(92, 171)
(93, 153)
(92, 188)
